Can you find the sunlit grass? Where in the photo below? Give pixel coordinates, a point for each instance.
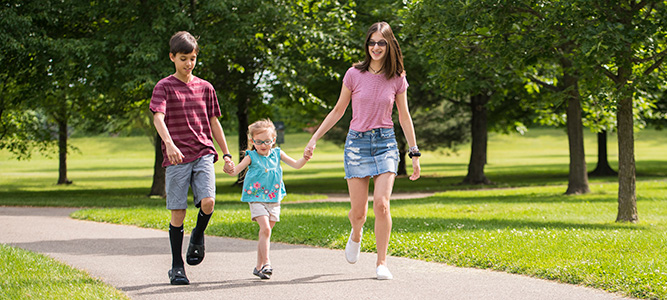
(521, 224)
(27, 275)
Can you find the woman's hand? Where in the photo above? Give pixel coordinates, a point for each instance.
(416, 169)
(308, 151)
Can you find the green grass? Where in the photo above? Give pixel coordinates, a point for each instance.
(522, 224)
(27, 275)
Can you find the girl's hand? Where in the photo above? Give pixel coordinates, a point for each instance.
(229, 167)
(308, 151)
(416, 169)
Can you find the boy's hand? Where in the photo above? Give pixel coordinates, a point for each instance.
(174, 155)
(229, 166)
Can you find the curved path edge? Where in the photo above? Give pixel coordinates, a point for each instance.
(136, 260)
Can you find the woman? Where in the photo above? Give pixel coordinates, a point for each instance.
(373, 86)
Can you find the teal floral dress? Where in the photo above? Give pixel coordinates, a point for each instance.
(264, 180)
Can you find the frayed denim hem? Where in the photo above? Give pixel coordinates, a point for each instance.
(371, 175)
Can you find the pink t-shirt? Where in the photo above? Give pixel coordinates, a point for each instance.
(188, 108)
(372, 98)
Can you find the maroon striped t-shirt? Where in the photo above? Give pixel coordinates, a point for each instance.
(188, 108)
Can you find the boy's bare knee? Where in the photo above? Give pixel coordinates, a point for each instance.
(207, 205)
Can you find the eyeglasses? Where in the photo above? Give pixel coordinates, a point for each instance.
(381, 43)
(260, 142)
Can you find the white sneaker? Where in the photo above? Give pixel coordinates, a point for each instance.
(383, 273)
(352, 249)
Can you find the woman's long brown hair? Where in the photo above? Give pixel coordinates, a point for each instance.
(393, 59)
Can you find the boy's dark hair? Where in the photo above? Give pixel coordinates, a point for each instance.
(183, 42)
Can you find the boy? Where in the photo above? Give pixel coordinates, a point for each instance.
(185, 113)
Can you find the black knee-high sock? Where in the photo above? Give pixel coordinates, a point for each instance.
(176, 240)
(198, 231)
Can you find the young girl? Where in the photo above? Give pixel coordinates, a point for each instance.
(263, 187)
(373, 86)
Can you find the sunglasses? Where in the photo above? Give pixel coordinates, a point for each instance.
(260, 142)
(381, 43)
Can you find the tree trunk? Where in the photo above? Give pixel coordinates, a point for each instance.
(578, 176)
(242, 116)
(479, 141)
(158, 188)
(62, 152)
(401, 144)
(627, 198)
(603, 168)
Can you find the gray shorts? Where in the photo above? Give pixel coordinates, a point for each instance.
(271, 209)
(200, 174)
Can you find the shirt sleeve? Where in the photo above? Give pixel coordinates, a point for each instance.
(349, 79)
(402, 85)
(214, 105)
(159, 99)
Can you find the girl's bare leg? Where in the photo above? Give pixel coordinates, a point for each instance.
(358, 188)
(264, 243)
(384, 184)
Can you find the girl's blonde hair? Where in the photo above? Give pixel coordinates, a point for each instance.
(258, 127)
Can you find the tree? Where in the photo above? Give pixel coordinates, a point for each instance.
(64, 72)
(628, 46)
(21, 127)
(134, 40)
(255, 49)
(468, 66)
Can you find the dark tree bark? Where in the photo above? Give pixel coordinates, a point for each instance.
(603, 168)
(158, 187)
(402, 154)
(627, 186)
(479, 141)
(578, 176)
(62, 151)
(242, 115)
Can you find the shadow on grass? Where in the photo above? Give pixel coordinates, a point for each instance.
(126, 197)
(410, 224)
(301, 228)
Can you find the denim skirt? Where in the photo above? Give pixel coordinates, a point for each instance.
(370, 153)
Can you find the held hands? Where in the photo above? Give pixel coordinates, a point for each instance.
(308, 151)
(416, 169)
(229, 166)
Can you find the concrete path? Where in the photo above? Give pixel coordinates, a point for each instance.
(136, 261)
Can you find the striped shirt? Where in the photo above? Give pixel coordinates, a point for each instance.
(372, 98)
(188, 108)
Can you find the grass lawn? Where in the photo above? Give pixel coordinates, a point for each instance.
(522, 224)
(27, 275)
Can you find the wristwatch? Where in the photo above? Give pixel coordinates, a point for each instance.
(414, 152)
(226, 155)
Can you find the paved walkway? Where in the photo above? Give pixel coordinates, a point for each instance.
(136, 260)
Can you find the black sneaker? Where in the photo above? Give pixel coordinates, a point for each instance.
(177, 277)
